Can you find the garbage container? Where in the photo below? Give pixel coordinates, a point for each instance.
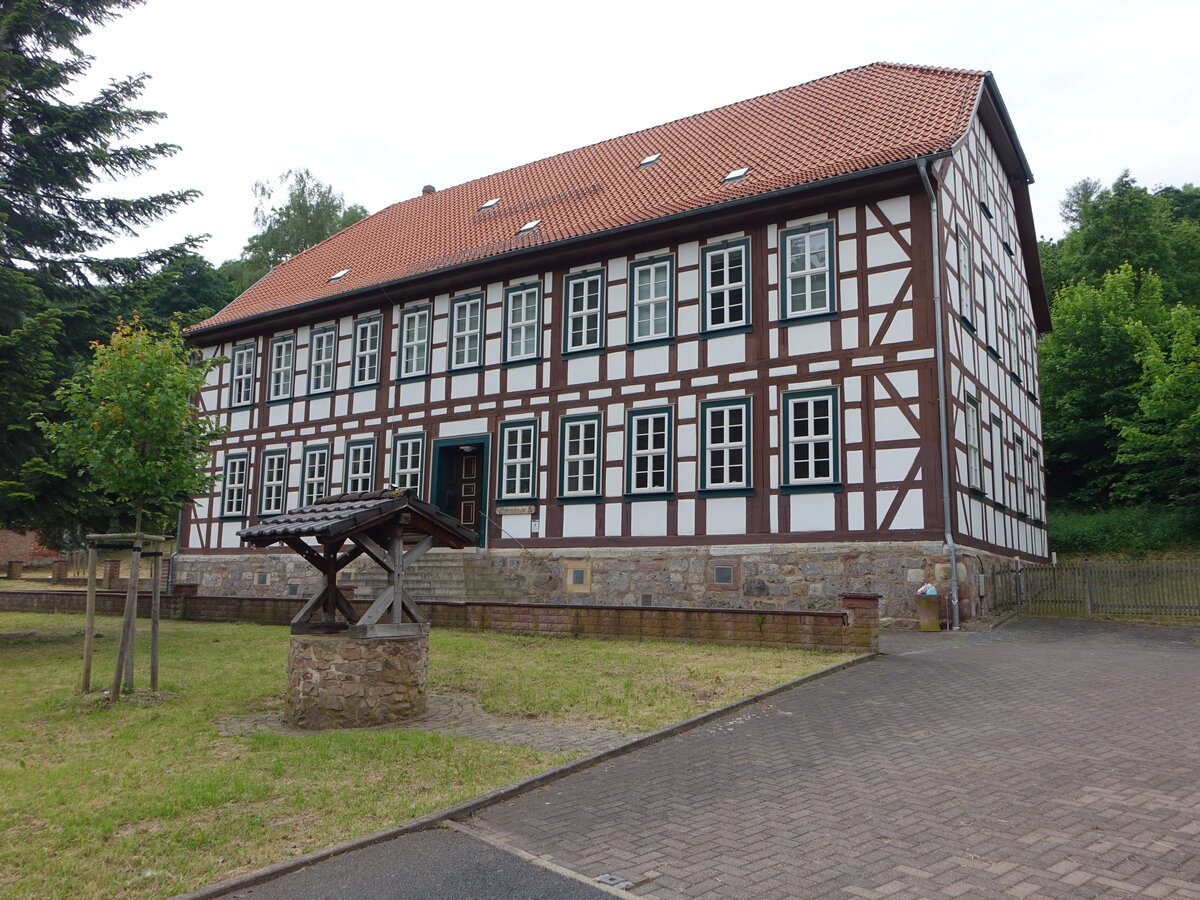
(929, 613)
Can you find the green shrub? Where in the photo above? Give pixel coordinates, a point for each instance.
(1121, 531)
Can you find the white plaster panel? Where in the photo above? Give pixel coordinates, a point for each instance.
(583, 370)
(891, 425)
(882, 287)
(853, 426)
(437, 359)
(685, 477)
(898, 332)
(240, 420)
(493, 350)
(847, 256)
(906, 355)
(882, 250)
(687, 356)
(688, 319)
(616, 365)
(689, 285)
(811, 337)
(685, 441)
(461, 427)
(689, 254)
(847, 220)
(727, 350)
(412, 393)
(437, 390)
(897, 209)
(812, 512)
(464, 385)
(651, 361)
(229, 534)
(648, 518)
(441, 330)
(687, 407)
(854, 467)
(614, 481)
(518, 526)
(685, 514)
(522, 378)
(725, 515)
(773, 512)
(615, 298)
(848, 299)
(826, 365)
(364, 401)
(893, 463)
(579, 520)
(907, 384)
(618, 269)
(342, 377)
(773, 269)
(491, 384)
(849, 334)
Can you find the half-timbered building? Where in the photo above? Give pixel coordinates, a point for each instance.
(757, 356)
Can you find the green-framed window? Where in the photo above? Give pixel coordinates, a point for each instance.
(809, 271)
(360, 466)
(725, 445)
(583, 312)
(414, 342)
(233, 485)
(466, 332)
(650, 452)
(408, 458)
(579, 464)
(314, 474)
(811, 439)
(518, 460)
(281, 368)
(241, 375)
(726, 293)
(366, 351)
(522, 323)
(272, 488)
(652, 300)
(974, 447)
(322, 360)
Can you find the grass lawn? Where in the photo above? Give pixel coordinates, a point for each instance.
(146, 799)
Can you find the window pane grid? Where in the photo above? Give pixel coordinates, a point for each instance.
(974, 455)
(518, 461)
(467, 322)
(581, 452)
(316, 472)
(726, 447)
(366, 352)
(242, 376)
(726, 272)
(522, 324)
(808, 272)
(652, 301)
(321, 355)
(811, 440)
(234, 501)
(650, 452)
(583, 314)
(414, 347)
(360, 465)
(281, 369)
(407, 475)
(274, 483)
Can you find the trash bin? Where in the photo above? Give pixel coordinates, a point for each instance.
(929, 613)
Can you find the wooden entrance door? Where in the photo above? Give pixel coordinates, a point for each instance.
(461, 488)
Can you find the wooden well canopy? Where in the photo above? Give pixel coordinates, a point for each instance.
(377, 523)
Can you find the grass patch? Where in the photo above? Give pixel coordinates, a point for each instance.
(1130, 532)
(146, 799)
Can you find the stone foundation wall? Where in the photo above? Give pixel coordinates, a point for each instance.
(340, 682)
(766, 576)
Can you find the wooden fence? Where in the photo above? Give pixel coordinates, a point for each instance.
(1151, 587)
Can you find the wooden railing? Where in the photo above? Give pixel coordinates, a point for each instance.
(1151, 587)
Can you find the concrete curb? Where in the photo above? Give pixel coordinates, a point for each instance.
(470, 807)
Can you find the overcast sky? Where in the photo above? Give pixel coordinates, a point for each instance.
(379, 98)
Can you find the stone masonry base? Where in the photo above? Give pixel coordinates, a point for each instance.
(340, 682)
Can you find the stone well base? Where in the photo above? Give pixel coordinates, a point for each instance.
(340, 682)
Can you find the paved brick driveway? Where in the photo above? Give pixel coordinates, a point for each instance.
(1046, 759)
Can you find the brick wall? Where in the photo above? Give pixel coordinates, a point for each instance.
(23, 548)
(855, 628)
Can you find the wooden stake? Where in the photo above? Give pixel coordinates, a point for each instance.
(135, 573)
(155, 600)
(90, 621)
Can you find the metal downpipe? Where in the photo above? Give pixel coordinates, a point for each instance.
(943, 418)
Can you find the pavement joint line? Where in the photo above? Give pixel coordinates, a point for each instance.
(475, 804)
(542, 862)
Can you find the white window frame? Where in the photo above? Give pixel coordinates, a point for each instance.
(360, 466)
(580, 466)
(818, 276)
(819, 446)
(233, 488)
(720, 288)
(1021, 472)
(322, 360)
(650, 444)
(408, 456)
(367, 334)
(729, 452)
(966, 264)
(522, 323)
(272, 496)
(466, 332)
(241, 376)
(518, 460)
(974, 439)
(414, 342)
(655, 307)
(282, 367)
(990, 312)
(583, 318)
(314, 475)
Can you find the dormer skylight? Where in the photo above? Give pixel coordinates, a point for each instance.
(649, 160)
(339, 275)
(490, 203)
(737, 175)
(529, 226)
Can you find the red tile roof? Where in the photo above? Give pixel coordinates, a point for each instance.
(850, 122)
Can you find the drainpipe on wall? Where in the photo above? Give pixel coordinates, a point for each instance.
(943, 418)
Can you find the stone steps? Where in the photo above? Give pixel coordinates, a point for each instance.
(446, 576)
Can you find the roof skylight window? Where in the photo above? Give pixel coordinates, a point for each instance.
(490, 203)
(649, 160)
(737, 175)
(339, 275)
(529, 226)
